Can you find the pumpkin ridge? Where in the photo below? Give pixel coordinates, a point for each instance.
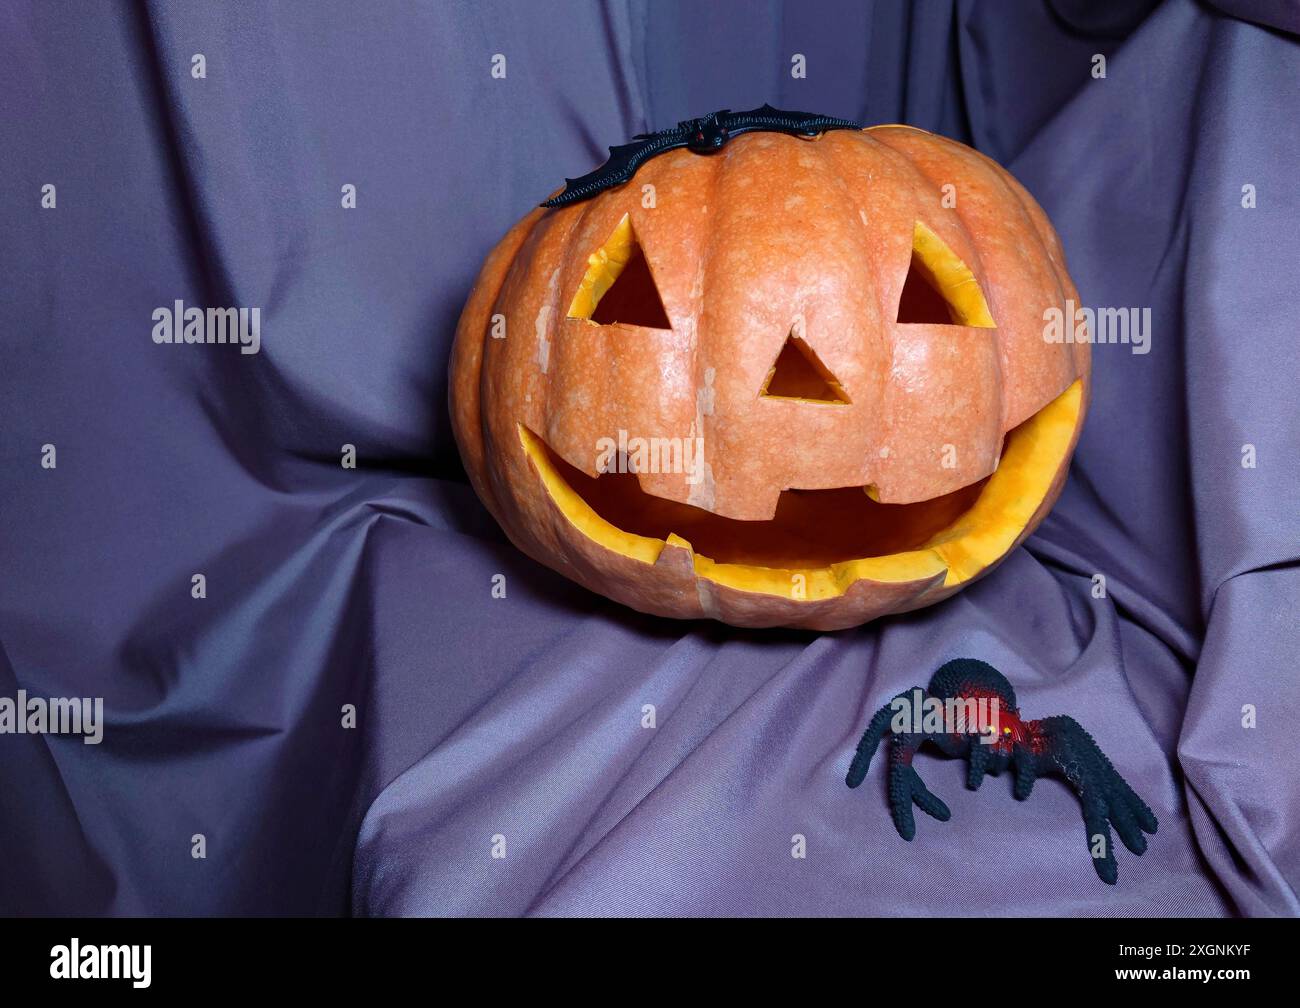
(938, 368)
(1017, 195)
(1023, 199)
(560, 293)
(969, 253)
(787, 246)
(1018, 367)
(706, 419)
(468, 356)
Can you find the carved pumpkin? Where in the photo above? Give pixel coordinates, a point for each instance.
(842, 378)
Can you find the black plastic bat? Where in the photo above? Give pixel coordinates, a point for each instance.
(707, 135)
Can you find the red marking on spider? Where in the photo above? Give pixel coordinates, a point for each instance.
(1010, 729)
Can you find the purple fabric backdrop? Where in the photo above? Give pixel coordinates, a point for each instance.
(522, 716)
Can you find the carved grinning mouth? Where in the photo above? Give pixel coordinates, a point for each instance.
(820, 542)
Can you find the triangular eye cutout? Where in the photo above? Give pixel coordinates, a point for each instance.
(920, 302)
(618, 286)
(799, 374)
(940, 289)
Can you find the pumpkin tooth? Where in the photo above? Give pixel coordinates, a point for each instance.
(675, 540)
(677, 557)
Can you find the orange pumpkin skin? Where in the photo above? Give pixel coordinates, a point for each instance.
(777, 236)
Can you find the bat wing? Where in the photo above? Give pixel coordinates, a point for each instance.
(622, 164)
(777, 121)
(624, 160)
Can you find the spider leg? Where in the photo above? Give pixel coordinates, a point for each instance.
(1098, 829)
(977, 765)
(877, 729)
(1127, 827)
(906, 787)
(1125, 797)
(1026, 771)
(1107, 799)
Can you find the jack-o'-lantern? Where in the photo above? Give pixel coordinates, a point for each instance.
(798, 381)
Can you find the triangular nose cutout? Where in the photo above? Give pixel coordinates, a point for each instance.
(618, 286)
(799, 374)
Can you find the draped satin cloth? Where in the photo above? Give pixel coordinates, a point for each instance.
(515, 724)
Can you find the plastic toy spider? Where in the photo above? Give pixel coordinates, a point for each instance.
(970, 712)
